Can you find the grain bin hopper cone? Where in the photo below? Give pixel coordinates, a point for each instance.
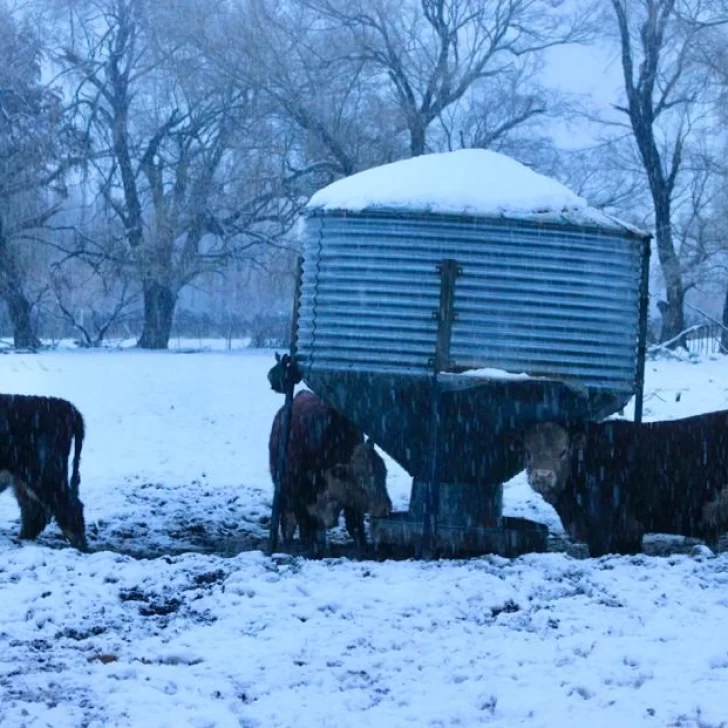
(451, 299)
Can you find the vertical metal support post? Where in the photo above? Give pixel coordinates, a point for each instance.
(445, 316)
(639, 392)
(290, 383)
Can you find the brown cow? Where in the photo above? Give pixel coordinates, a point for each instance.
(611, 482)
(320, 437)
(35, 443)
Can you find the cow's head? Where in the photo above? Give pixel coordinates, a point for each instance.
(326, 509)
(361, 483)
(369, 472)
(547, 449)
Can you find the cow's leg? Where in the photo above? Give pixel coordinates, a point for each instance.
(288, 526)
(715, 512)
(720, 543)
(320, 541)
(288, 522)
(6, 480)
(355, 526)
(628, 547)
(299, 502)
(64, 504)
(631, 533)
(714, 522)
(34, 514)
(69, 515)
(312, 535)
(306, 524)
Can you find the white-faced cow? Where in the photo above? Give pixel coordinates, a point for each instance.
(611, 482)
(35, 443)
(356, 488)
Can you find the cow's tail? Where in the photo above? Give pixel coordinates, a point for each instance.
(78, 435)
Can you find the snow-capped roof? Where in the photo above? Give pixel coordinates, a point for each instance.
(473, 182)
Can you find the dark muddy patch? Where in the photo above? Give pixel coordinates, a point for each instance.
(171, 520)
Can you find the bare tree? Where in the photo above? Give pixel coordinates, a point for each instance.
(94, 284)
(713, 55)
(607, 174)
(658, 41)
(168, 153)
(109, 302)
(328, 107)
(509, 108)
(433, 52)
(37, 147)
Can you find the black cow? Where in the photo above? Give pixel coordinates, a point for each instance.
(35, 444)
(611, 482)
(320, 438)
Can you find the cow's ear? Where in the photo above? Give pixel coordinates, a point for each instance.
(369, 443)
(278, 357)
(514, 441)
(578, 441)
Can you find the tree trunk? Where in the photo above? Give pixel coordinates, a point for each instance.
(724, 321)
(671, 310)
(661, 158)
(19, 310)
(19, 307)
(159, 304)
(418, 136)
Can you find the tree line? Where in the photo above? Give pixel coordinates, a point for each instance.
(148, 146)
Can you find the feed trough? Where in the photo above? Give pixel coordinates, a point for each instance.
(451, 299)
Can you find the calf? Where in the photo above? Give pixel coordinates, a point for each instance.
(611, 482)
(319, 438)
(356, 487)
(35, 444)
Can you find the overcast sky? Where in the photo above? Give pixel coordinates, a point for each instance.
(593, 71)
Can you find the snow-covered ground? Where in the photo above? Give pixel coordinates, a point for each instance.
(174, 621)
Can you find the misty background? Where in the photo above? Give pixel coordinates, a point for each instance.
(155, 154)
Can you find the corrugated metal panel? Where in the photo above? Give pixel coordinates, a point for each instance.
(550, 301)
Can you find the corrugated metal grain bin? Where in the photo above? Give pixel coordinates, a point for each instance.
(543, 318)
(542, 299)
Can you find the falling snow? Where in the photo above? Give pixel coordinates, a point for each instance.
(177, 619)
